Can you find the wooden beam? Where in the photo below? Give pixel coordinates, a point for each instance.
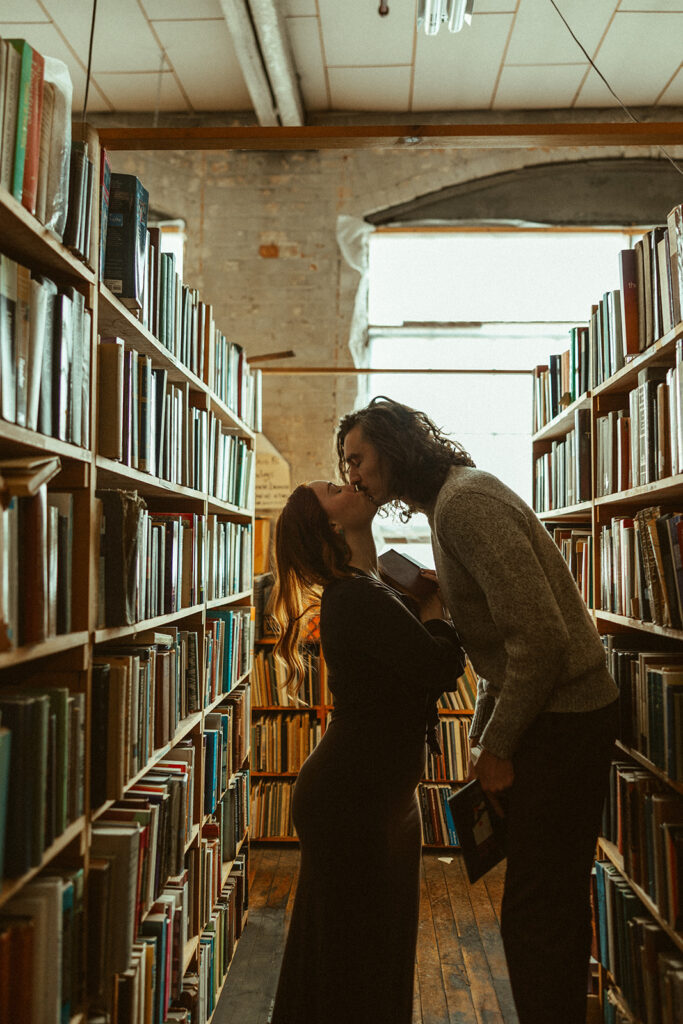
(241, 29)
(425, 136)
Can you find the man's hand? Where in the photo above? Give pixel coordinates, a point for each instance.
(494, 773)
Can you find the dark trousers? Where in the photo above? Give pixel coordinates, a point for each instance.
(553, 813)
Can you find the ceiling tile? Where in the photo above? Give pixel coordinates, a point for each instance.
(181, 10)
(139, 92)
(22, 11)
(369, 88)
(205, 61)
(459, 71)
(538, 87)
(295, 8)
(355, 35)
(304, 35)
(673, 97)
(123, 39)
(656, 6)
(47, 41)
(540, 36)
(636, 73)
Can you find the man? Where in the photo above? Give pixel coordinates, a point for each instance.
(545, 718)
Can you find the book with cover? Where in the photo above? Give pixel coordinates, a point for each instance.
(403, 572)
(480, 830)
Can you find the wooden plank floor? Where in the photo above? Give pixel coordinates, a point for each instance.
(460, 970)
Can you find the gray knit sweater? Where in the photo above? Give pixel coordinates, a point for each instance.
(517, 609)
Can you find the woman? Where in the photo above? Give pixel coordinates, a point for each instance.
(350, 952)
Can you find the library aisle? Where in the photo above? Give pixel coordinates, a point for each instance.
(461, 975)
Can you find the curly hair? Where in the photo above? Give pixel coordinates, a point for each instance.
(415, 453)
(308, 554)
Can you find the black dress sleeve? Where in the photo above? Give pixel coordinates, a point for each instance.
(369, 617)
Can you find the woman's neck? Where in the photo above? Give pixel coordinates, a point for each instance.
(361, 543)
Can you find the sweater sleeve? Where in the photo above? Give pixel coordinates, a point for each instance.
(492, 541)
(376, 623)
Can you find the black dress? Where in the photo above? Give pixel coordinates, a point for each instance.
(350, 952)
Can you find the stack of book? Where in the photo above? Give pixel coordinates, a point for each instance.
(281, 743)
(640, 957)
(42, 757)
(562, 475)
(34, 121)
(268, 681)
(143, 687)
(229, 557)
(641, 566)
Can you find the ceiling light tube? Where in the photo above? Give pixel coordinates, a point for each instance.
(433, 13)
(459, 11)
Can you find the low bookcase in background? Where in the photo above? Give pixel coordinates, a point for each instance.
(608, 482)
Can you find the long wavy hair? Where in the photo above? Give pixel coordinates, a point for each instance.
(308, 554)
(416, 454)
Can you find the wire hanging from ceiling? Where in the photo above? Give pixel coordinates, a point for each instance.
(597, 70)
(87, 76)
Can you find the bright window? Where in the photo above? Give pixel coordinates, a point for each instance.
(486, 300)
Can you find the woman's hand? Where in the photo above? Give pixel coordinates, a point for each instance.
(431, 606)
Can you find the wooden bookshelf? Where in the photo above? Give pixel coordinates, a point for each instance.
(559, 426)
(84, 471)
(611, 395)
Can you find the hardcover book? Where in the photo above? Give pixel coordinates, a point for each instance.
(403, 572)
(480, 830)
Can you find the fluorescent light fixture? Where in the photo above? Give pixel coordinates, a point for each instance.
(431, 13)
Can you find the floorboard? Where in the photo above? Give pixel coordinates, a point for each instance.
(460, 975)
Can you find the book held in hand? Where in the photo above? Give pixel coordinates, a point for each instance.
(403, 572)
(479, 828)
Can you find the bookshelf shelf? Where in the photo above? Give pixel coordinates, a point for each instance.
(228, 865)
(230, 418)
(221, 696)
(456, 712)
(646, 763)
(54, 645)
(11, 886)
(15, 437)
(113, 474)
(559, 426)
(218, 602)
(191, 947)
(26, 240)
(282, 707)
(108, 633)
(115, 320)
(665, 490)
(661, 352)
(225, 508)
(274, 775)
(581, 511)
(643, 627)
(194, 835)
(615, 858)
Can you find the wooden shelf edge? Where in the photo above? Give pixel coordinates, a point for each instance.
(55, 645)
(191, 947)
(615, 858)
(109, 633)
(11, 886)
(646, 763)
(563, 422)
(660, 350)
(33, 439)
(33, 235)
(583, 508)
(637, 624)
(218, 602)
(146, 483)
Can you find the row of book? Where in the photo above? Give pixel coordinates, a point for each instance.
(42, 759)
(44, 355)
(224, 747)
(465, 697)
(562, 475)
(641, 566)
(640, 957)
(36, 566)
(644, 443)
(156, 563)
(42, 950)
(271, 809)
(282, 742)
(452, 764)
(643, 818)
(651, 701)
(35, 114)
(625, 321)
(146, 280)
(268, 681)
(228, 651)
(217, 944)
(437, 821)
(576, 546)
